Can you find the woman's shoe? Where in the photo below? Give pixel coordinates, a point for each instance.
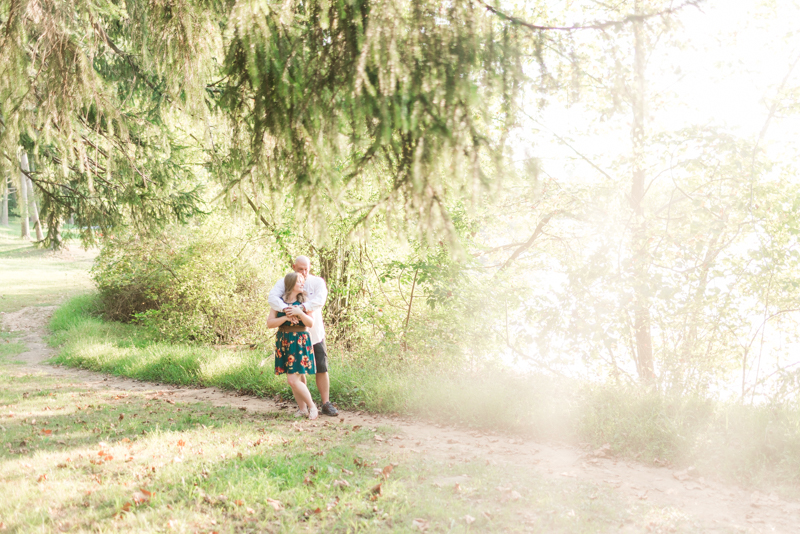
(301, 413)
(313, 413)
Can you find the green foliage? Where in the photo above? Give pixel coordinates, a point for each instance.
(417, 93)
(102, 147)
(200, 284)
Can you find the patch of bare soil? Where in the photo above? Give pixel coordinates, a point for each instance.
(713, 506)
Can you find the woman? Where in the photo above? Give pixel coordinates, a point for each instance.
(293, 353)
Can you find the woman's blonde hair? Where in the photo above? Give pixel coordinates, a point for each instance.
(289, 282)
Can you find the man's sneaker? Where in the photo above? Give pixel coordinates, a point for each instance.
(329, 409)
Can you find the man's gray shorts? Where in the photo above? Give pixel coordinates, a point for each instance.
(321, 357)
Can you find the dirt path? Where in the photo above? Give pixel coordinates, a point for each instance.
(712, 506)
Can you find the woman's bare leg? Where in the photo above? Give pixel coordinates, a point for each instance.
(301, 394)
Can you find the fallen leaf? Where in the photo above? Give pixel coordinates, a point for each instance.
(172, 524)
(468, 519)
(378, 438)
(42, 478)
(318, 510)
(238, 502)
(47, 431)
(420, 524)
(277, 505)
(121, 416)
(181, 443)
(307, 481)
(250, 511)
(341, 483)
(377, 490)
(457, 487)
(142, 496)
(387, 471)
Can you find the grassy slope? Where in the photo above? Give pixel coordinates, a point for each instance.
(752, 445)
(83, 460)
(759, 446)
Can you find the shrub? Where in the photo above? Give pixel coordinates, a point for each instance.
(200, 284)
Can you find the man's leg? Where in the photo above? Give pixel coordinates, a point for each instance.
(323, 381)
(324, 386)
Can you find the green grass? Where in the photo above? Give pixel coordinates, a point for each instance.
(85, 460)
(751, 445)
(8, 347)
(754, 445)
(31, 276)
(127, 350)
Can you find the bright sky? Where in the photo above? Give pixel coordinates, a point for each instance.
(734, 56)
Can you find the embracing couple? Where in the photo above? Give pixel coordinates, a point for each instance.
(296, 303)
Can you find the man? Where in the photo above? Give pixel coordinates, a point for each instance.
(317, 295)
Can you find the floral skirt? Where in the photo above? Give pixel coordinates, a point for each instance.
(293, 353)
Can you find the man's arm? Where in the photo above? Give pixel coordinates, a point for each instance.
(275, 300)
(317, 301)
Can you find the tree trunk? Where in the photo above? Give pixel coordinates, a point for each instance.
(4, 208)
(22, 197)
(640, 256)
(37, 224)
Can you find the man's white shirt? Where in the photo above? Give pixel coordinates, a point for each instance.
(317, 295)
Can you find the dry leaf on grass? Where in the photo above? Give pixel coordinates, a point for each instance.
(468, 519)
(387, 471)
(420, 524)
(277, 505)
(42, 478)
(142, 496)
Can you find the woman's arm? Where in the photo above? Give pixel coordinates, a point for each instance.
(273, 321)
(304, 317)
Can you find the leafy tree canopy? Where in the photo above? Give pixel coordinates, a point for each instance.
(130, 108)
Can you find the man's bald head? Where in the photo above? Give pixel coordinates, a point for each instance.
(301, 265)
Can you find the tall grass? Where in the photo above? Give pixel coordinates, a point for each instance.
(758, 445)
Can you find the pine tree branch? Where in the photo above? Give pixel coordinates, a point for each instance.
(595, 25)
